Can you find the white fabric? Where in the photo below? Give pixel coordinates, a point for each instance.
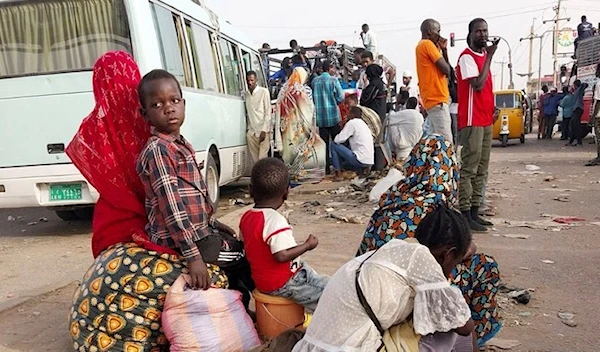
(453, 108)
(597, 91)
(407, 74)
(258, 109)
(363, 81)
(278, 234)
(405, 129)
(400, 278)
(468, 67)
(361, 140)
(370, 42)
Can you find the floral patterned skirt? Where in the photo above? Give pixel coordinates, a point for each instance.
(118, 305)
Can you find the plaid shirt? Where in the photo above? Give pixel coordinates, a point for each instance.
(176, 205)
(327, 94)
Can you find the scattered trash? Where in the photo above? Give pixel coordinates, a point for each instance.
(595, 181)
(547, 261)
(247, 196)
(43, 220)
(525, 314)
(329, 210)
(32, 223)
(595, 223)
(10, 295)
(237, 201)
(517, 236)
(313, 203)
(36, 313)
(550, 178)
(556, 230)
(503, 344)
(568, 220)
(566, 315)
(562, 199)
(524, 268)
(335, 204)
(532, 168)
(521, 296)
(11, 218)
(567, 318)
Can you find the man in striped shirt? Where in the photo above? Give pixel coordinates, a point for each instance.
(476, 109)
(327, 94)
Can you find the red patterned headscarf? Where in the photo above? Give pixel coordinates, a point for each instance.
(105, 150)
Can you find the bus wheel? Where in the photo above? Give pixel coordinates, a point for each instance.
(211, 176)
(67, 215)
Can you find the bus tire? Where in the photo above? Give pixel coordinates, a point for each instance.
(67, 215)
(211, 177)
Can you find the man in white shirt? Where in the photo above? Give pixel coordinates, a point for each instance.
(258, 109)
(369, 39)
(405, 128)
(408, 85)
(361, 154)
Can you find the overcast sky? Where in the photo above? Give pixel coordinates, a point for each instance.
(396, 24)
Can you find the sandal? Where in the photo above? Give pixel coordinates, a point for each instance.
(593, 162)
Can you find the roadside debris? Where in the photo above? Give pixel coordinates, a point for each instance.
(43, 220)
(517, 236)
(11, 218)
(568, 220)
(548, 261)
(567, 318)
(521, 296)
(237, 201)
(32, 223)
(562, 199)
(549, 178)
(532, 168)
(503, 344)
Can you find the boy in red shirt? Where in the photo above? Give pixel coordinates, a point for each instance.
(476, 108)
(270, 245)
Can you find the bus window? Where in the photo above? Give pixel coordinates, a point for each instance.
(187, 67)
(194, 55)
(260, 73)
(43, 37)
(231, 68)
(168, 40)
(246, 61)
(206, 68)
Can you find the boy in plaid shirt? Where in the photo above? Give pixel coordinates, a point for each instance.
(179, 215)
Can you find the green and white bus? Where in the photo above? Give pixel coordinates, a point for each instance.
(47, 51)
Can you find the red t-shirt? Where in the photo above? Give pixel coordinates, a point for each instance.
(475, 108)
(266, 232)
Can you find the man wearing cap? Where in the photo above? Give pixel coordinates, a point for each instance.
(408, 85)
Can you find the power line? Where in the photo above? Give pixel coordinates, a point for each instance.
(467, 18)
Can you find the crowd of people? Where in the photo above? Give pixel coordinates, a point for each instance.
(570, 106)
(153, 223)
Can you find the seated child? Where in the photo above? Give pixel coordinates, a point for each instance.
(270, 246)
(179, 215)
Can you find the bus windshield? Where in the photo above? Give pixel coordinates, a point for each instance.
(54, 36)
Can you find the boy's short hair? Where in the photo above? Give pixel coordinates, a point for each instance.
(269, 179)
(250, 73)
(412, 103)
(151, 76)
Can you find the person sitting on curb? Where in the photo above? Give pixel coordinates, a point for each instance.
(361, 154)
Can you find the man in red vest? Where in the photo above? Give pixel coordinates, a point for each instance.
(476, 108)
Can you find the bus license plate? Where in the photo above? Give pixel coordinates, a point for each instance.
(65, 192)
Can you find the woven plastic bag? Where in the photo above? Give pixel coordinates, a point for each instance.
(211, 320)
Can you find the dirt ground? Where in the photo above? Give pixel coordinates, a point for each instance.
(558, 264)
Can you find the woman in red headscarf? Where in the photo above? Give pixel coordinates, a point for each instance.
(119, 303)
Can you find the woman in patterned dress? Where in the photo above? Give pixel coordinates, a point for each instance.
(119, 302)
(432, 177)
(303, 151)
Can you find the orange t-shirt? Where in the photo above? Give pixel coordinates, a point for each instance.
(433, 84)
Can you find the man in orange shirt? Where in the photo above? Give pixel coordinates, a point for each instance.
(433, 68)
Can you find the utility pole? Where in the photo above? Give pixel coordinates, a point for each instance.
(557, 19)
(502, 63)
(530, 67)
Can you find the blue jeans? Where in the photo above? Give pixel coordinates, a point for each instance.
(304, 288)
(342, 158)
